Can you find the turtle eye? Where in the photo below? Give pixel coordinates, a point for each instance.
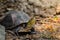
(24, 25)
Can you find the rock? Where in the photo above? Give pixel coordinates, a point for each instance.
(2, 32)
(58, 8)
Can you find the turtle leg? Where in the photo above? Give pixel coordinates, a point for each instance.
(17, 31)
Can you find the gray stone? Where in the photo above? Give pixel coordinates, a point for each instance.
(2, 32)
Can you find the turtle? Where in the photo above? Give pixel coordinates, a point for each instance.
(14, 18)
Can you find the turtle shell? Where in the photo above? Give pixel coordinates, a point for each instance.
(14, 18)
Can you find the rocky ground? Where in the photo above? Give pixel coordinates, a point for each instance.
(47, 14)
